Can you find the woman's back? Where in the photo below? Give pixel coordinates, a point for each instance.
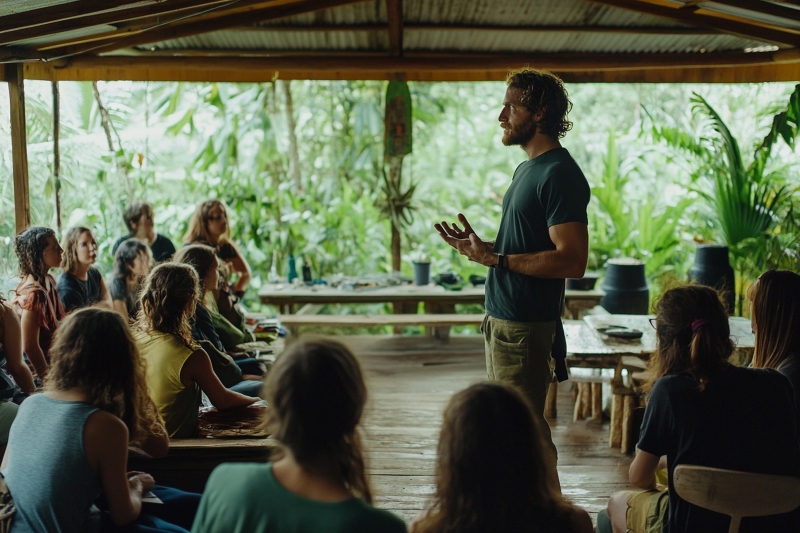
(48, 475)
(177, 404)
(246, 498)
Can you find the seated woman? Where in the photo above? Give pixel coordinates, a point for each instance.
(131, 264)
(775, 316)
(204, 261)
(177, 369)
(138, 218)
(316, 395)
(209, 225)
(71, 442)
(81, 284)
(491, 472)
(704, 411)
(38, 251)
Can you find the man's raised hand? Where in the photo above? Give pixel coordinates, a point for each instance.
(445, 230)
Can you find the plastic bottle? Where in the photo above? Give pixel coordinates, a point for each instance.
(307, 279)
(292, 269)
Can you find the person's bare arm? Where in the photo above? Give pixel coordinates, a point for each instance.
(642, 472)
(105, 297)
(198, 369)
(106, 445)
(242, 269)
(568, 260)
(12, 343)
(30, 343)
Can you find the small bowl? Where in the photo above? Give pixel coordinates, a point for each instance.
(586, 283)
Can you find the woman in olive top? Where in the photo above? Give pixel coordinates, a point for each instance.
(177, 369)
(316, 395)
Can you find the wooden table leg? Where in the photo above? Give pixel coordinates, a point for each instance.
(403, 308)
(615, 428)
(597, 402)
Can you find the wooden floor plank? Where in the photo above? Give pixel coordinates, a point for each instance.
(410, 380)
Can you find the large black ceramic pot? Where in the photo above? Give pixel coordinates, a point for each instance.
(625, 287)
(712, 268)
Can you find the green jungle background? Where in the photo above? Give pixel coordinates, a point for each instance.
(301, 167)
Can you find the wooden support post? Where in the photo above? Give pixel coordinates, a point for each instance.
(597, 402)
(57, 153)
(550, 410)
(615, 428)
(14, 74)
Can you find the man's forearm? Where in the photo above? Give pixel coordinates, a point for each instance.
(548, 264)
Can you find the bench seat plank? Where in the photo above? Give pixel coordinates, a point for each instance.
(428, 319)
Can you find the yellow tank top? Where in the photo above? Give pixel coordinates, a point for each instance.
(165, 354)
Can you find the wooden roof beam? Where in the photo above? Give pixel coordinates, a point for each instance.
(688, 16)
(68, 11)
(146, 16)
(758, 6)
(247, 12)
(645, 30)
(394, 11)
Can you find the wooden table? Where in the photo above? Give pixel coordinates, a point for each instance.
(404, 298)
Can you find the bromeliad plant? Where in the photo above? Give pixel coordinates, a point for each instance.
(753, 205)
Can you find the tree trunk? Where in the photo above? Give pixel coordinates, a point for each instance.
(57, 153)
(105, 120)
(294, 156)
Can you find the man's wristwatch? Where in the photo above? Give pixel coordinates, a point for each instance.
(502, 262)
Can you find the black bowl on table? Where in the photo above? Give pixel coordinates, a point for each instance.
(586, 283)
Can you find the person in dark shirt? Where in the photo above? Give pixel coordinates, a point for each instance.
(775, 315)
(138, 218)
(209, 225)
(132, 262)
(543, 239)
(490, 470)
(704, 411)
(81, 284)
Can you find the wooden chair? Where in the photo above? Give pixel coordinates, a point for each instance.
(737, 494)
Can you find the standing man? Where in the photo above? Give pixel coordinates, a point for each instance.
(543, 239)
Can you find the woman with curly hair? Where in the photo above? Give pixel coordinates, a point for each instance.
(81, 284)
(316, 394)
(71, 442)
(131, 264)
(702, 410)
(491, 471)
(177, 368)
(209, 225)
(38, 251)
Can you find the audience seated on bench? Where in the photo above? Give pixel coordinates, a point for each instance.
(177, 369)
(132, 262)
(138, 218)
(492, 471)
(36, 296)
(71, 442)
(775, 315)
(204, 262)
(316, 395)
(704, 411)
(81, 284)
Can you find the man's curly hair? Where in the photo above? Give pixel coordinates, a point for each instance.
(544, 91)
(30, 245)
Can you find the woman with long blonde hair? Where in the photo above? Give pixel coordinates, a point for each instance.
(316, 396)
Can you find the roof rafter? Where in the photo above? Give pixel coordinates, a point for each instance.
(760, 6)
(67, 11)
(646, 30)
(394, 10)
(145, 15)
(688, 16)
(247, 11)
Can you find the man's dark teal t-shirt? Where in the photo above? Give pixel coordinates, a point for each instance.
(546, 191)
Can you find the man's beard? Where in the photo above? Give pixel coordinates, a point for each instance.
(520, 136)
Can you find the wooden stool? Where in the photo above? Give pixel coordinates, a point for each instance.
(624, 400)
(588, 395)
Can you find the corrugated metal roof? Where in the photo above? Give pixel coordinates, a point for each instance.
(283, 40)
(11, 7)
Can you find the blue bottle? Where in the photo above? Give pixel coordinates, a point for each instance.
(292, 269)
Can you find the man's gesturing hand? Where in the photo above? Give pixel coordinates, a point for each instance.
(466, 241)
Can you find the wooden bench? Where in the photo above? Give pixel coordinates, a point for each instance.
(293, 323)
(190, 461)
